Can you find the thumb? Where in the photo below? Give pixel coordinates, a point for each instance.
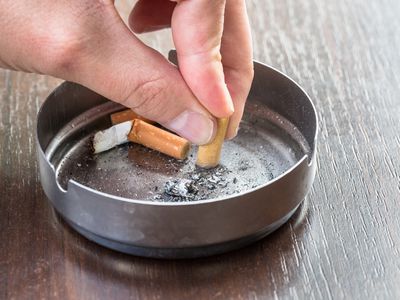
(117, 65)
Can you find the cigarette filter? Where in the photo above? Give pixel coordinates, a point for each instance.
(209, 155)
(127, 115)
(158, 139)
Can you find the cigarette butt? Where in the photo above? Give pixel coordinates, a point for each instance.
(127, 115)
(158, 139)
(209, 155)
(112, 137)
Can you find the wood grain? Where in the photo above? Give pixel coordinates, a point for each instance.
(342, 244)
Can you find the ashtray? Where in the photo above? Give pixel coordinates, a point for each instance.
(122, 199)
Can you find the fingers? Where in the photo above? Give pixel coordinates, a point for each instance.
(197, 27)
(198, 49)
(150, 15)
(120, 67)
(236, 53)
(90, 44)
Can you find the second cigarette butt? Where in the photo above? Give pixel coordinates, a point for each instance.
(127, 115)
(158, 139)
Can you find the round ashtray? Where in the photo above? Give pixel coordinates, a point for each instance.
(124, 199)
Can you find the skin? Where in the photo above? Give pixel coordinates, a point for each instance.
(86, 41)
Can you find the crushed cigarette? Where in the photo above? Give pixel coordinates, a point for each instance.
(158, 139)
(141, 132)
(112, 137)
(209, 155)
(127, 115)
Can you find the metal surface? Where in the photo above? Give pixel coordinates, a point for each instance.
(184, 252)
(185, 229)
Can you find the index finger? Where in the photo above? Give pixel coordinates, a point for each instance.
(237, 59)
(197, 27)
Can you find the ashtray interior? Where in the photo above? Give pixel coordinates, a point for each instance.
(267, 145)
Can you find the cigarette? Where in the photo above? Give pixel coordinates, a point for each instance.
(141, 132)
(158, 139)
(112, 137)
(127, 115)
(209, 155)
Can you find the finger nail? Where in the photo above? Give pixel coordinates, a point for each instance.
(196, 127)
(232, 134)
(231, 107)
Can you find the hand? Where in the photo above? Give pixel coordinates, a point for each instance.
(86, 41)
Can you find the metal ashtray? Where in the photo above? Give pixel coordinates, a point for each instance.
(116, 199)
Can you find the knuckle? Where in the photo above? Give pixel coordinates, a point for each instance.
(66, 43)
(61, 51)
(245, 71)
(246, 68)
(63, 56)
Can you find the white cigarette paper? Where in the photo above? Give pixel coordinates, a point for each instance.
(112, 137)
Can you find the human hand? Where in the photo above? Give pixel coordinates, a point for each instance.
(86, 41)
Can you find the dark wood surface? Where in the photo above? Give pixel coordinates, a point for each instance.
(343, 243)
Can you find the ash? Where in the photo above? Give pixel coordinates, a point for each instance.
(181, 188)
(201, 184)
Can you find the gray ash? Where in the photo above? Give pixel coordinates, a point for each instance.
(181, 188)
(201, 184)
(243, 165)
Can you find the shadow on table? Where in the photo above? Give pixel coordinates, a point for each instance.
(263, 261)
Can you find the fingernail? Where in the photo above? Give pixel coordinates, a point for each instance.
(232, 134)
(196, 127)
(231, 107)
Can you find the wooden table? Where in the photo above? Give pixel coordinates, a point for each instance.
(343, 243)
